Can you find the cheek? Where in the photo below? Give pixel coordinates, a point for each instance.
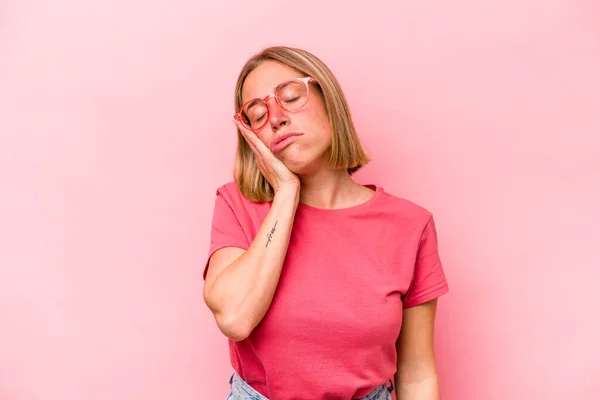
(321, 123)
(321, 116)
(318, 116)
(263, 138)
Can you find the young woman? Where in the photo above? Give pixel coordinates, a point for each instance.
(326, 288)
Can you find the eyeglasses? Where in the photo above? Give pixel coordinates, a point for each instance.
(291, 96)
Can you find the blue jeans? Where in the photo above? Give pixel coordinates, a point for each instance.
(240, 390)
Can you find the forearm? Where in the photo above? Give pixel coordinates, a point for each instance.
(424, 387)
(243, 292)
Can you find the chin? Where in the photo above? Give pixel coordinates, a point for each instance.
(304, 167)
(300, 163)
(297, 167)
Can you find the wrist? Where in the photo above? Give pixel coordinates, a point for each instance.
(288, 193)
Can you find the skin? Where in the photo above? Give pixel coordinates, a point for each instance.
(416, 377)
(301, 168)
(306, 158)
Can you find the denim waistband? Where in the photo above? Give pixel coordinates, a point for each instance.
(240, 390)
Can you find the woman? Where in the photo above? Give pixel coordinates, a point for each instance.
(326, 288)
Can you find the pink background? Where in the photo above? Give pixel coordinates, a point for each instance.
(116, 130)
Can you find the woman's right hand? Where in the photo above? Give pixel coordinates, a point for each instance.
(272, 168)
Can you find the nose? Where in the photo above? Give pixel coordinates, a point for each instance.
(278, 117)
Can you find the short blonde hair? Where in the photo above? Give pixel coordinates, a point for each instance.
(346, 151)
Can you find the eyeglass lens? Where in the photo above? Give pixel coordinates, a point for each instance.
(291, 96)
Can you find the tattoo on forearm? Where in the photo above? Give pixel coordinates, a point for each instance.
(270, 235)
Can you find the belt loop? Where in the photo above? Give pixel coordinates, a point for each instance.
(231, 379)
(391, 388)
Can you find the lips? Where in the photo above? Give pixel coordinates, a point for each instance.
(281, 141)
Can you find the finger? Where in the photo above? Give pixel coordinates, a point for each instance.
(251, 142)
(249, 136)
(250, 139)
(245, 134)
(256, 144)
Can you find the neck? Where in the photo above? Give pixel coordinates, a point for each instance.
(330, 189)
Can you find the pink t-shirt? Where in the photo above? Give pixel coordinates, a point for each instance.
(331, 329)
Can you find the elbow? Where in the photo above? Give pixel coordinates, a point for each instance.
(232, 327)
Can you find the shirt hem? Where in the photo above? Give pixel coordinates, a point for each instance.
(425, 297)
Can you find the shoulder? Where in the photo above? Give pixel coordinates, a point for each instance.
(231, 194)
(403, 212)
(404, 207)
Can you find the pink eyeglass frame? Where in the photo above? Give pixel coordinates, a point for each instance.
(306, 80)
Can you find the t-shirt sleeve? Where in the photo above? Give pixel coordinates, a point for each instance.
(429, 280)
(226, 230)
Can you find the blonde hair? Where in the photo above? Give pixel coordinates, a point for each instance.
(346, 151)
